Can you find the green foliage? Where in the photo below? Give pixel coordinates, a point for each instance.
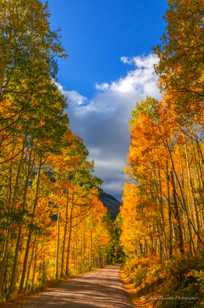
(147, 107)
(48, 192)
(179, 282)
(138, 275)
(184, 283)
(115, 251)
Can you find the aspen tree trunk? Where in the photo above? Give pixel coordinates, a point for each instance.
(162, 210)
(69, 239)
(3, 262)
(199, 164)
(177, 217)
(65, 233)
(57, 246)
(183, 202)
(91, 251)
(17, 248)
(34, 266)
(4, 269)
(169, 215)
(30, 229)
(15, 190)
(30, 264)
(191, 190)
(84, 249)
(12, 200)
(200, 151)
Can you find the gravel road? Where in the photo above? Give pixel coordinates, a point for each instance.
(101, 288)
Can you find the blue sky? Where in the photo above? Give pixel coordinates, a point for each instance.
(110, 67)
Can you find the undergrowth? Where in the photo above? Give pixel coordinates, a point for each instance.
(178, 283)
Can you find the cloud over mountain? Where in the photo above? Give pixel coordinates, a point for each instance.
(103, 120)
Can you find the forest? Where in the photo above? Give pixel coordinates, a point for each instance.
(162, 212)
(51, 218)
(53, 224)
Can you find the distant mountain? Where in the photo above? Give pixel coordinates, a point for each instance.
(111, 203)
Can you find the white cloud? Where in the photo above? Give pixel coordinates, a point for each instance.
(76, 98)
(141, 79)
(102, 86)
(103, 121)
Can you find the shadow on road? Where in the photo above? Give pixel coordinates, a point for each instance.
(102, 288)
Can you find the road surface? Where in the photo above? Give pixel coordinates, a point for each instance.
(102, 288)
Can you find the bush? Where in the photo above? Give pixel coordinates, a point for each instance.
(138, 276)
(184, 285)
(178, 283)
(138, 270)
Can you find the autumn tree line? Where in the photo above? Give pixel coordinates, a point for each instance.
(163, 199)
(51, 219)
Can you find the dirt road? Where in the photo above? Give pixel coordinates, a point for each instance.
(101, 288)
